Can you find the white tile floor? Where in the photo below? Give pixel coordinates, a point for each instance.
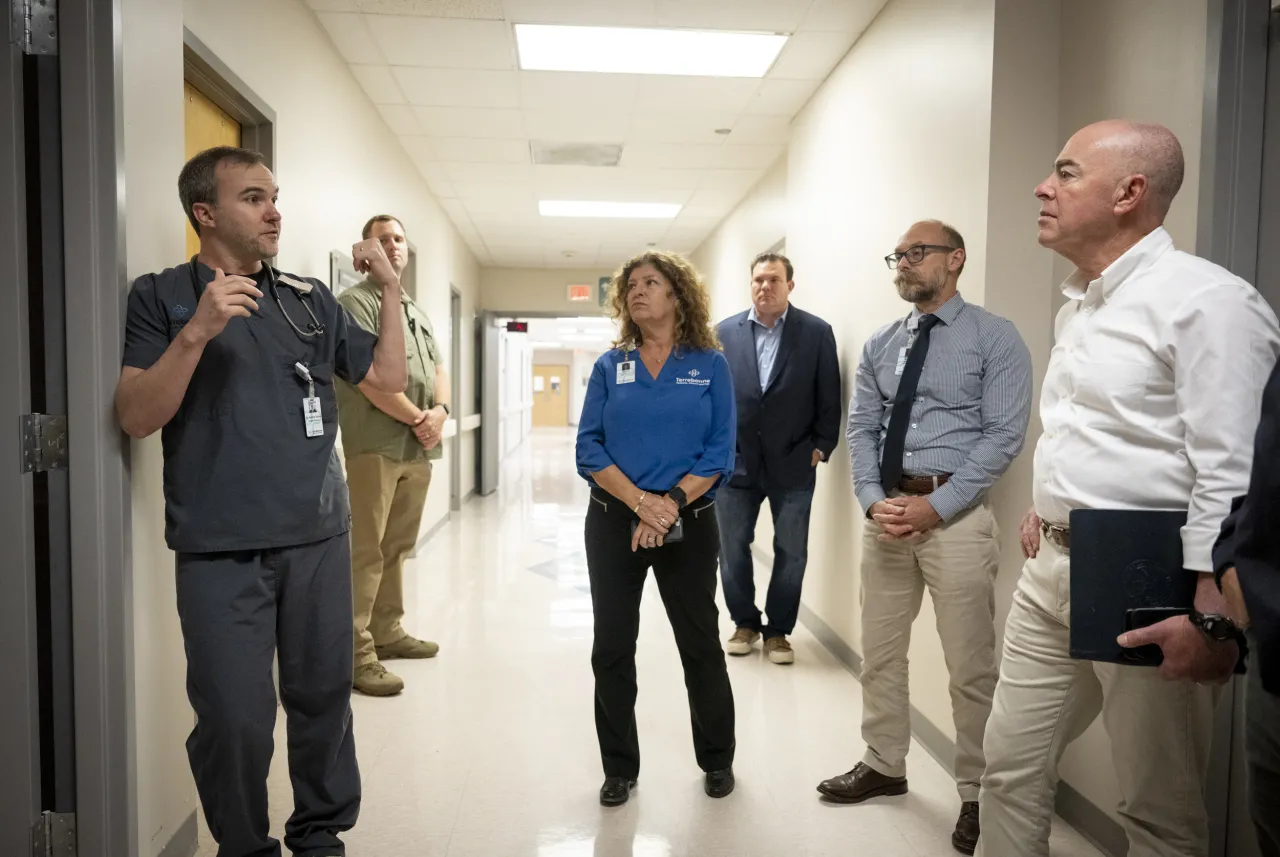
(491, 751)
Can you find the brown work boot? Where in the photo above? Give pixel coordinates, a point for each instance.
(778, 650)
(741, 641)
(965, 839)
(372, 679)
(861, 783)
(407, 647)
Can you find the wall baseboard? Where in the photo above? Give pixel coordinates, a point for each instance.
(1086, 817)
(185, 840)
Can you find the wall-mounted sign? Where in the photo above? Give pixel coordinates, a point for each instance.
(580, 293)
(517, 327)
(602, 290)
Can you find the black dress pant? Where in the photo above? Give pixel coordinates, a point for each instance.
(238, 611)
(686, 575)
(1262, 747)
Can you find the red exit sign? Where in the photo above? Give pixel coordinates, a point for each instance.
(580, 293)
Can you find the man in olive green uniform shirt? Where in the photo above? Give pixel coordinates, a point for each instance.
(389, 442)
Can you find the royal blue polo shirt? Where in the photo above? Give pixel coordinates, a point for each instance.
(658, 430)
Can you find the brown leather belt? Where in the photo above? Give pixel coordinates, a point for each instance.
(1059, 534)
(922, 484)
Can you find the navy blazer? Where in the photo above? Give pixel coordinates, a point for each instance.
(779, 429)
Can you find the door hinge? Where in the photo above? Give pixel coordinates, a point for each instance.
(36, 26)
(54, 835)
(44, 442)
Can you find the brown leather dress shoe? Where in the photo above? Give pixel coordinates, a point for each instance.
(861, 783)
(965, 839)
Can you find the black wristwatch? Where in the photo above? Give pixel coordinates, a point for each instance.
(1219, 628)
(677, 494)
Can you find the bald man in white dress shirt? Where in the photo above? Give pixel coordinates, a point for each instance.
(1150, 402)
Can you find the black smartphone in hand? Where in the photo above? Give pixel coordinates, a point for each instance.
(1145, 617)
(675, 534)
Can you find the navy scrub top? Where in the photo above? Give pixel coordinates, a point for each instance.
(240, 472)
(658, 430)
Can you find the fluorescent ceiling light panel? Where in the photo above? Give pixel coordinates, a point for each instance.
(634, 210)
(621, 50)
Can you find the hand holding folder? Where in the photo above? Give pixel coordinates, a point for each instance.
(1126, 573)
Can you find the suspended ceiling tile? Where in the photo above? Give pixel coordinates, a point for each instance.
(659, 126)
(761, 130)
(749, 157)
(351, 37)
(458, 88)
(490, 9)
(489, 172)
(482, 151)
(453, 43)
(558, 90)
(701, 95)
(378, 84)
(732, 181)
(591, 13)
(692, 156)
(781, 97)
(334, 5)
(573, 126)
(844, 16)
(811, 56)
(481, 123)
(769, 16)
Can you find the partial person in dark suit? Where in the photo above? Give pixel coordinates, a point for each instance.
(786, 380)
(1246, 561)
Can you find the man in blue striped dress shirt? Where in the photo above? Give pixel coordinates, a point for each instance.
(939, 412)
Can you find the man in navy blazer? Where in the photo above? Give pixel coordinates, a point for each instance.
(786, 380)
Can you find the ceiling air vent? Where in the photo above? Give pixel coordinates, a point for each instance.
(575, 154)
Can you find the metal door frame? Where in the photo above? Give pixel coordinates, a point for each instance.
(20, 805)
(1228, 222)
(455, 390)
(90, 41)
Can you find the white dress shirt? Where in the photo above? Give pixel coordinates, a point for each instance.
(1153, 391)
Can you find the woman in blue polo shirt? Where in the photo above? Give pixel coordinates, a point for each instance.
(656, 439)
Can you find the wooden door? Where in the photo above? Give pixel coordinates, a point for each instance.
(207, 125)
(550, 396)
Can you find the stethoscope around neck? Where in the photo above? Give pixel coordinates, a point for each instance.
(311, 329)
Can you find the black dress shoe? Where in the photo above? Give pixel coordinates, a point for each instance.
(719, 783)
(965, 839)
(861, 783)
(616, 790)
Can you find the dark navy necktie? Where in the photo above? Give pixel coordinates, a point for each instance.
(895, 438)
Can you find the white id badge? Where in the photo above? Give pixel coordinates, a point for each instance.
(311, 410)
(902, 361)
(627, 372)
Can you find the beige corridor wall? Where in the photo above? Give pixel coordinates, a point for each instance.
(956, 110)
(539, 290)
(337, 164)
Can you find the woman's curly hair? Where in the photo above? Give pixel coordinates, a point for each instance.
(693, 304)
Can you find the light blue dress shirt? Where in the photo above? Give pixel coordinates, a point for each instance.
(767, 340)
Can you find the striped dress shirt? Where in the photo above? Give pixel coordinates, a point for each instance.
(970, 415)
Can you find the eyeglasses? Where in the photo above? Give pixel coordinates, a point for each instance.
(915, 255)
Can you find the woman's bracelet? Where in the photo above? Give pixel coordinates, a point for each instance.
(643, 494)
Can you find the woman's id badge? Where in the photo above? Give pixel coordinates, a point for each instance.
(627, 372)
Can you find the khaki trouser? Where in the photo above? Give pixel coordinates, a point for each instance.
(387, 498)
(1160, 731)
(958, 563)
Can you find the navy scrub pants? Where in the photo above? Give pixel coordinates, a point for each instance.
(238, 610)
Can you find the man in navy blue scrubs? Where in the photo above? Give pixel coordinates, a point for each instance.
(235, 362)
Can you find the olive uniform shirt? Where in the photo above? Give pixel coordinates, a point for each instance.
(366, 429)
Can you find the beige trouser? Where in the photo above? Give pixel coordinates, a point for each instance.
(958, 562)
(1160, 731)
(387, 498)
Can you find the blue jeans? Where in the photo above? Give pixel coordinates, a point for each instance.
(739, 508)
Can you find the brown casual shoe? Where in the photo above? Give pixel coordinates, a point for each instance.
(861, 783)
(407, 647)
(965, 839)
(779, 650)
(372, 679)
(741, 641)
